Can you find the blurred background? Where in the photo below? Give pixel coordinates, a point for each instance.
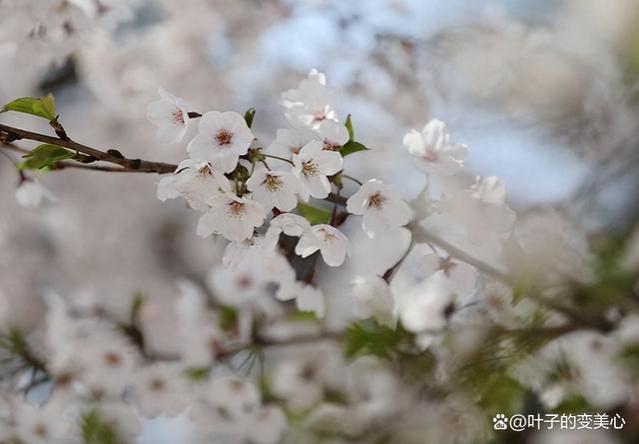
(542, 91)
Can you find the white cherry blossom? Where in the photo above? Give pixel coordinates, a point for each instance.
(332, 244)
(32, 194)
(161, 389)
(461, 277)
(333, 134)
(44, 425)
(230, 409)
(482, 209)
(222, 139)
(197, 182)
(307, 297)
(372, 297)
(427, 307)
(313, 165)
(274, 189)
(236, 251)
(380, 205)
(433, 151)
(233, 217)
(290, 141)
(311, 103)
(289, 224)
(171, 117)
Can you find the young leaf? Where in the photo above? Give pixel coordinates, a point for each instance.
(249, 115)
(313, 214)
(370, 338)
(227, 318)
(95, 430)
(349, 127)
(41, 107)
(44, 156)
(351, 147)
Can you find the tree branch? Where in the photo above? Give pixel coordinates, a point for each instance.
(9, 134)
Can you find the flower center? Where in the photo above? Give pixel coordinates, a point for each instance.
(319, 115)
(376, 201)
(157, 384)
(244, 282)
(113, 359)
(327, 236)
(431, 156)
(330, 146)
(236, 210)
(309, 168)
(40, 430)
(272, 183)
(178, 117)
(224, 137)
(446, 265)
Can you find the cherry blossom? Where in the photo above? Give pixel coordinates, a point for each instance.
(311, 103)
(333, 134)
(289, 224)
(433, 151)
(307, 297)
(372, 297)
(197, 182)
(229, 408)
(313, 165)
(44, 425)
(380, 205)
(32, 194)
(290, 141)
(332, 244)
(482, 209)
(274, 189)
(427, 306)
(236, 251)
(233, 217)
(161, 389)
(461, 277)
(171, 117)
(222, 139)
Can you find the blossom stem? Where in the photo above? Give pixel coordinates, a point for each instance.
(278, 158)
(194, 115)
(352, 179)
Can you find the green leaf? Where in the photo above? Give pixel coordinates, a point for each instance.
(351, 147)
(249, 115)
(370, 338)
(41, 107)
(349, 126)
(313, 214)
(136, 305)
(197, 373)
(96, 430)
(227, 318)
(44, 156)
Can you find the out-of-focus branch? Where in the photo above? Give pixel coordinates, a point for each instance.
(9, 134)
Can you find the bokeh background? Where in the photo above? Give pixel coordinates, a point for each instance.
(542, 91)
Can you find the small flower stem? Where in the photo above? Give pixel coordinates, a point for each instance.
(194, 115)
(352, 179)
(278, 158)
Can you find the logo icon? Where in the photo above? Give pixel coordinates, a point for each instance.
(500, 422)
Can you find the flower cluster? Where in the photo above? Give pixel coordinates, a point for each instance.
(417, 292)
(250, 197)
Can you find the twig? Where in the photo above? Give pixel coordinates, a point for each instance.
(9, 134)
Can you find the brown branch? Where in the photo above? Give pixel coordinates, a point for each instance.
(10, 134)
